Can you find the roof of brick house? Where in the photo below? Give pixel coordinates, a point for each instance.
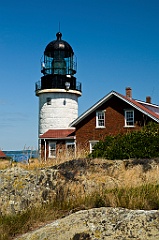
(146, 108)
(58, 134)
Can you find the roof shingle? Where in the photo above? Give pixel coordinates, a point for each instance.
(139, 105)
(59, 133)
(130, 101)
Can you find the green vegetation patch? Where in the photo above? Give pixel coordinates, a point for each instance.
(136, 144)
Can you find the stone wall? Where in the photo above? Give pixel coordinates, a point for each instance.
(101, 223)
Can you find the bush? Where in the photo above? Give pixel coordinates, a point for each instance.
(136, 144)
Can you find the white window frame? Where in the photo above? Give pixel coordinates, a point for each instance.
(68, 144)
(100, 119)
(52, 149)
(129, 120)
(92, 143)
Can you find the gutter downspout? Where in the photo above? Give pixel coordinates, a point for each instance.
(75, 149)
(45, 150)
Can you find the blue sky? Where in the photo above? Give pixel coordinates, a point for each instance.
(116, 43)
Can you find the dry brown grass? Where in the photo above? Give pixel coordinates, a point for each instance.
(4, 164)
(134, 175)
(114, 172)
(61, 158)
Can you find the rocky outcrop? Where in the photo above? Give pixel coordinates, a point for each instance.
(101, 223)
(21, 188)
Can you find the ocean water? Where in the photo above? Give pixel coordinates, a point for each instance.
(24, 155)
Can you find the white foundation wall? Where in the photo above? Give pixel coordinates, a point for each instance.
(62, 110)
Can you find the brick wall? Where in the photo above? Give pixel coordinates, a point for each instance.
(114, 123)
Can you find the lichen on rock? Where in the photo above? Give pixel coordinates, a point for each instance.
(101, 223)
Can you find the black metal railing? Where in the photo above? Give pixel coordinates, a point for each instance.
(52, 83)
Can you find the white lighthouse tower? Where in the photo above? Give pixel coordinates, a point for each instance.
(58, 93)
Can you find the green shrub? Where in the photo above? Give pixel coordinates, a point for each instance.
(136, 144)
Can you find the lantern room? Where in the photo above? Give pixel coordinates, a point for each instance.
(59, 58)
(58, 66)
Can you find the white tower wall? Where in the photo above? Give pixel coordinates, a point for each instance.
(59, 112)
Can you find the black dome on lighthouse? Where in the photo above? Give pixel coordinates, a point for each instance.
(58, 45)
(58, 67)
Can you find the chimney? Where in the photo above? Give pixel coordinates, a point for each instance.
(148, 99)
(129, 92)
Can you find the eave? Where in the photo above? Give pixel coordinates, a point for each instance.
(129, 101)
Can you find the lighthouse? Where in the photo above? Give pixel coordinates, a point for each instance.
(58, 92)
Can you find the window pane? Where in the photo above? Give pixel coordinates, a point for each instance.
(52, 150)
(129, 117)
(100, 119)
(48, 101)
(92, 144)
(70, 149)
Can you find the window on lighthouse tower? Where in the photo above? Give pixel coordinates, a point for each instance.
(48, 100)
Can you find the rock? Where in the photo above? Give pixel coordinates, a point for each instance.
(21, 189)
(101, 223)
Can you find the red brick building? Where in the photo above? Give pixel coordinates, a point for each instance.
(113, 114)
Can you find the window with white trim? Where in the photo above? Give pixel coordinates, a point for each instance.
(92, 144)
(100, 119)
(70, 147)
(129, 118)
(52, 149)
